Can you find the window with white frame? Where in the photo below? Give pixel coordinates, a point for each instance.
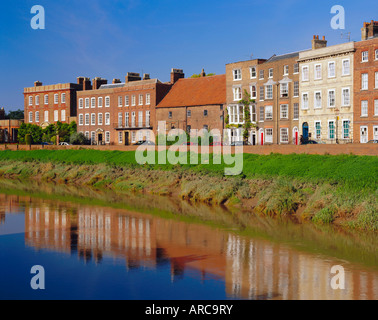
(318, 130)
(46, 99)
(87, 119)
(262, 93)
(376, 107)
(364, 108)
(261, 74)
(237, 93)
(345, 98)
(140, 119)
(365, 56)
(93, 119)
(270, 72)
(56, 98)
(133, 136)
(284, 111)
(252, 111)
(37, 100)
(376, 80)
(268, 112)
(86, 134)
(127, 120)
(236, 114)
(296, 68)
(86, 103)
(305, 76)
(284, 135)
(269, 135)
(147, 118)
(253, 72)
(99, 119)
(133, 119)
(46, 115)
(269, 91)
(261, 114)
(93, 102)
(253, 92)
(63, 115)
(346, 67)
(317, 99)
(331, 98)
(30, 116)
(63, 98)
(189, 113)
(133, 100)
(120, 119)
(93, 136)
(107, 118)
(205, 113)
(37, 116)
(107, 136)
(375, 132)
(346, 130)
(107, 102)
(284, 89)
(331, 69)
(286, 70)
(169, 114)
(318, 71)
(100, 102)
(331, 129)
(120, 137)
(237, 74)
(141, 99)
(148, 98)
(376, 54)
(56, 115)
(30, 100)
(127, 101)
(296, 89)
(120, 102)
(364, 81)
(296, 111)
(304, 100)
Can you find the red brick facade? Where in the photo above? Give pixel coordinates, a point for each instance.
(366, 90)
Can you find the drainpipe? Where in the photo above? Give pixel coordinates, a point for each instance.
(277, 115)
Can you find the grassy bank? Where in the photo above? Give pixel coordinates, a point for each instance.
(324, 189)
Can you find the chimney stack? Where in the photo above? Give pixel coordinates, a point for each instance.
(116, 81)
(316, 43)
(369, 30)
(146, 76)
(176, 74)
(97, 82)
(132, 76)
(203, 74)
(37, 83)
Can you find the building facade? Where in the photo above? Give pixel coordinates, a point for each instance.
(194, 104)
(273, 85)
(366, 85)
(326, 92)
(117, 113)
(45, 105)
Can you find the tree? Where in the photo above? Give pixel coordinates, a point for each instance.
(246, 102)
(78, 138)
(199, 75)
(32, 129)
(15, 115)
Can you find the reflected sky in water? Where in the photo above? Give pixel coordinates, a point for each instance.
(98, 252)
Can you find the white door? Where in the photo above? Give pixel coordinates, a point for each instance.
(363, 134)
(375, 132)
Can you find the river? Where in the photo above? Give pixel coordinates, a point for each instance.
(98, 245)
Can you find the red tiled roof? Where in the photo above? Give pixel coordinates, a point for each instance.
(196, 92)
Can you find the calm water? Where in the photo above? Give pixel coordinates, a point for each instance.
(93, 251)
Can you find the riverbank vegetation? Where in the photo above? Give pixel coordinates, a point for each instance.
(323, 189)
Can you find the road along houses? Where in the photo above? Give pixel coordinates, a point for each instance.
(325, 94)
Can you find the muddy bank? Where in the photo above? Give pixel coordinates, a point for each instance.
(320, 203)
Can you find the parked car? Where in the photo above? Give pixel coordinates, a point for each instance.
(218, 143)
(64, 144)
(147, 143)
(46, 143)
(310, 142)
(372, 141)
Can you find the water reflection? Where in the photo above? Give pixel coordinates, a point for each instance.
(251, 268)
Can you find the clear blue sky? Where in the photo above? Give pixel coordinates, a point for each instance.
(108, 38)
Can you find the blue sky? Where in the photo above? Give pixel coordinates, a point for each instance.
(108, 38)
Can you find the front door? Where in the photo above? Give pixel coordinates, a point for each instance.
(126, 138)
(100, 138)
(305, 131)
(363, 134)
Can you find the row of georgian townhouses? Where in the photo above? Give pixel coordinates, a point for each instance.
(325, 94)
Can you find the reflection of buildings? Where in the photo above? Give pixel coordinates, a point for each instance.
(9, 204)
(251, 268)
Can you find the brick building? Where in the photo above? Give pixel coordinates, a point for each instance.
(326, 92)
(273, 84)
(114, 113)
(48, 104)
(194, 104)
(9, 130)
(366, 84)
